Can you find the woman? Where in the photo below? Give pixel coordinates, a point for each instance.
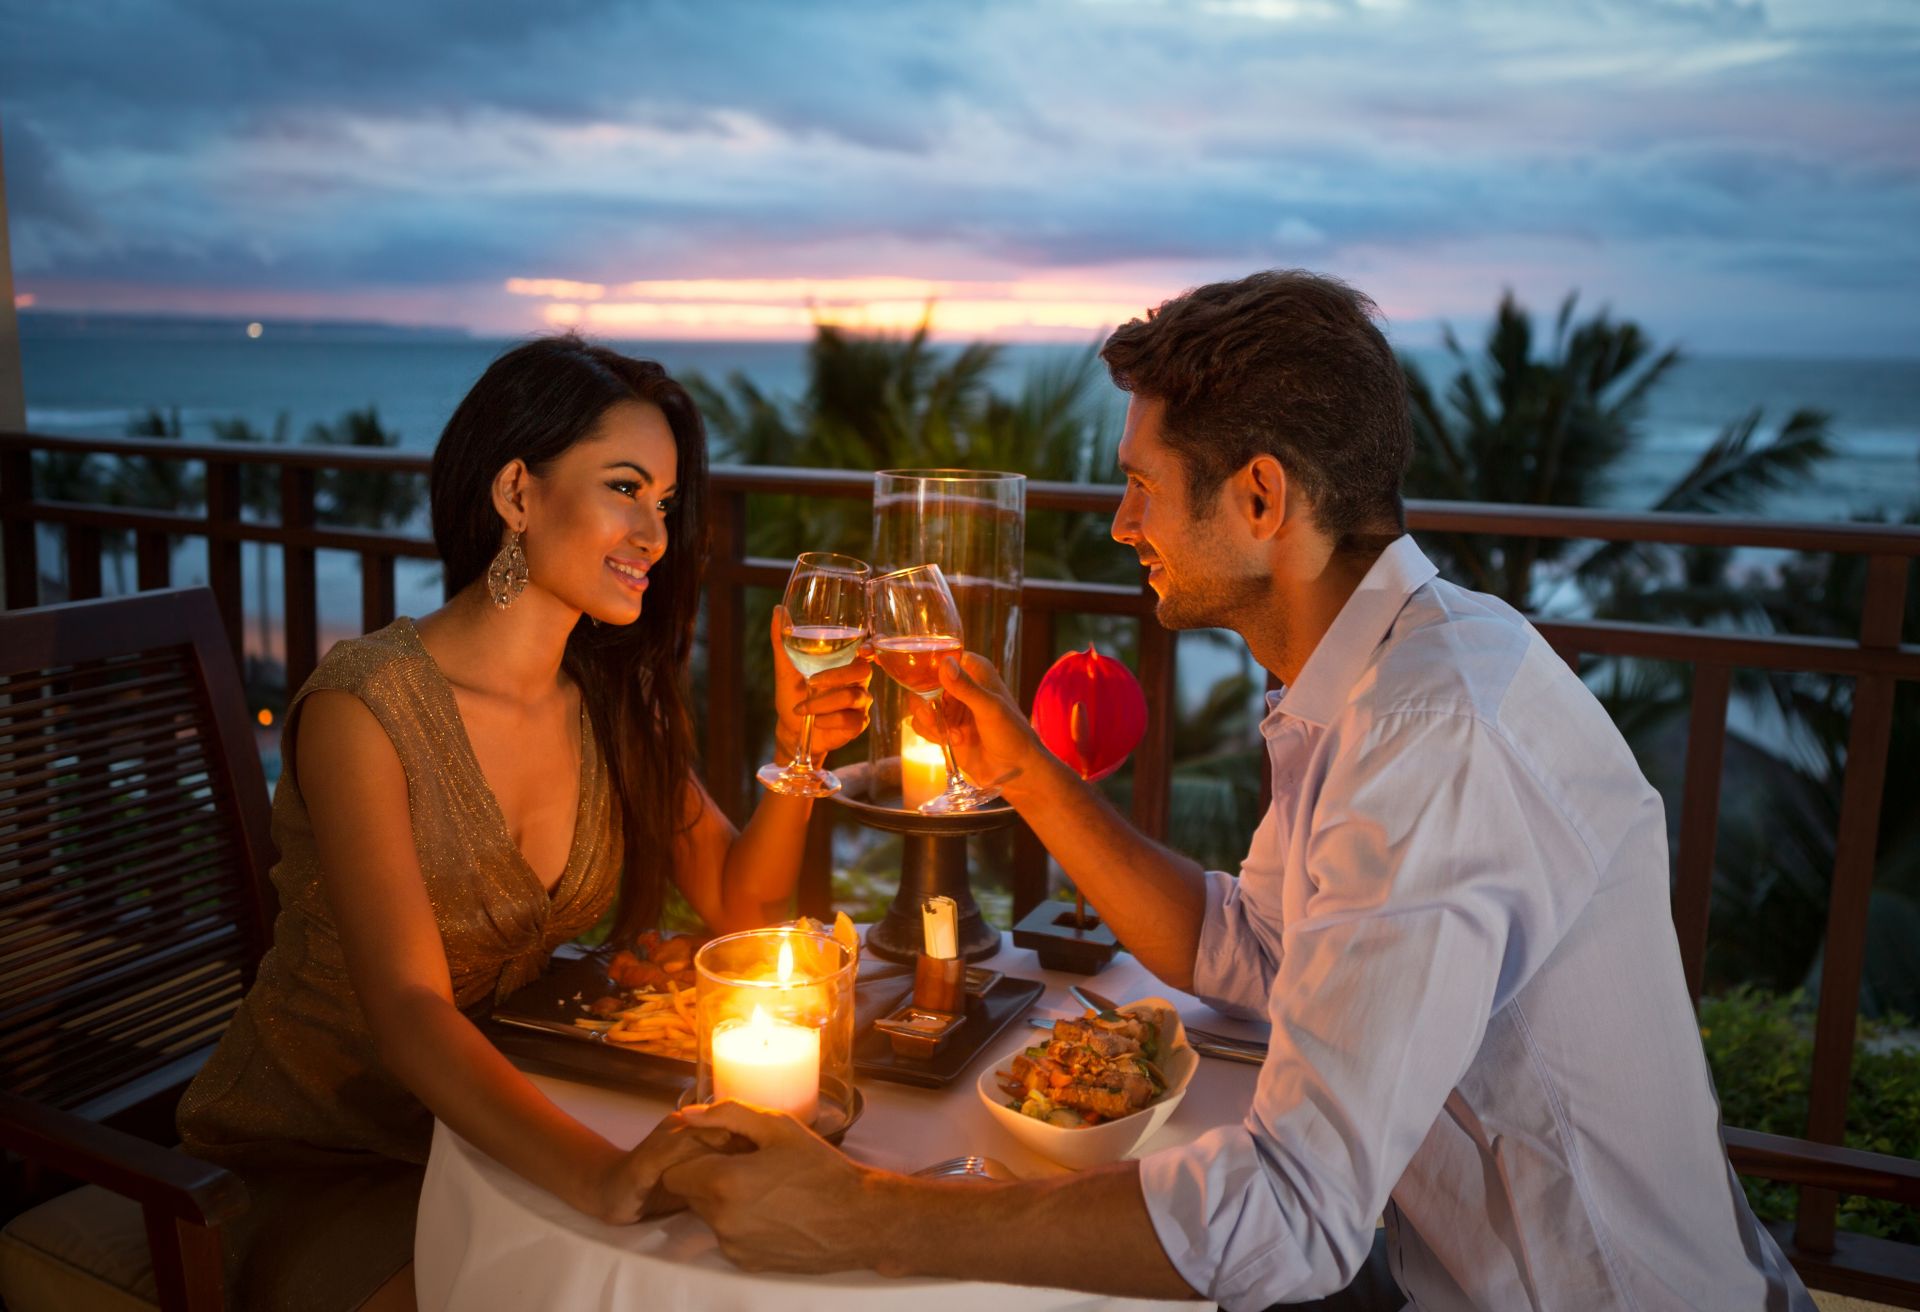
(461, 796)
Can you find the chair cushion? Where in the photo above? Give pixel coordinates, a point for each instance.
(85, 1251)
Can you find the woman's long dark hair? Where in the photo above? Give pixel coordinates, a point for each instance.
(532, 404)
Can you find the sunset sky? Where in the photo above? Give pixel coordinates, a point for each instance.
(1740, 175)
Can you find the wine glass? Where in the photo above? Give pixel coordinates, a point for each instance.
(915, 627)
(826, 603)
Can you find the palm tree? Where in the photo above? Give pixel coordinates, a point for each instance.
(1527, 427)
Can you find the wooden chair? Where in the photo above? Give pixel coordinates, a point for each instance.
(134, 910)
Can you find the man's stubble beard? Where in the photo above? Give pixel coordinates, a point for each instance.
(1215, 603)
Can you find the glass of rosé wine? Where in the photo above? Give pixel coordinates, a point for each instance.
(916, 626)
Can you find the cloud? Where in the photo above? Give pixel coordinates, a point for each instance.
(439, 145)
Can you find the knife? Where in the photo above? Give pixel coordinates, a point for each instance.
(1212, 1045)
(565, 1027)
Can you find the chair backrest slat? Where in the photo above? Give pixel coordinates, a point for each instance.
(134, 906)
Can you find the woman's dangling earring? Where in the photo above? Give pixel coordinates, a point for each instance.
(507, 575)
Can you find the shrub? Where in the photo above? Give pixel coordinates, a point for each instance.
(1760, 1048)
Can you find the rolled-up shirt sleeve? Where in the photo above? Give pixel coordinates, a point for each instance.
(1441, 873)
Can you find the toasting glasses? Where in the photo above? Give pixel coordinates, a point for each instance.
(826, 605)
(915, 627)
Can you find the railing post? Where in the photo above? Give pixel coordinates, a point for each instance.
(301, 599)
(1869, 733)
(153, 560)
(1038, 638)
(726, 667)
(19, 536)
(1700, 819)
(376, 591)
(223, 554)
(84, 545)
(1153, 763)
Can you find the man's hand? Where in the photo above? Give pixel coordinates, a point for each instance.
(991, 738)
(630, 1188)
(793, 1203)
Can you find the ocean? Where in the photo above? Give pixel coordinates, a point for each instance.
(91, 377)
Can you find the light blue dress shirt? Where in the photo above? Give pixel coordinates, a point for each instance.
(1455, 915)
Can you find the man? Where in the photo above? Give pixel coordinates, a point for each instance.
(1454, 912)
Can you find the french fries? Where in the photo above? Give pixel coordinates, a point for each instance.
(659, 1023)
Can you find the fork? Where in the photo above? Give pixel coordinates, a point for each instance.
(1100, 1002)
(970, 1166)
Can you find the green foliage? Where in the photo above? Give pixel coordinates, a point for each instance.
(363, 498)
(1546, 426)
(1760, 1048)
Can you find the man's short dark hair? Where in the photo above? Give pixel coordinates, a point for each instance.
(1283, 363)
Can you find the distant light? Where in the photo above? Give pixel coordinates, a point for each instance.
(21, 300)
(254, 330)
(266, 716)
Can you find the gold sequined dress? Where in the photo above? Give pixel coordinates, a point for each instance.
(296, 1098)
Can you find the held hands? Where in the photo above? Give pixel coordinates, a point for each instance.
(837, 699)
(792, 1203)
(991, 739)
(629, 1189)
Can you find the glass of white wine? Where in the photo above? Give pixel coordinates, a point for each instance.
(916, 626)
(826, 603)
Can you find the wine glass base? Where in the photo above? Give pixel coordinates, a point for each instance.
(789, 782)
(957, 800)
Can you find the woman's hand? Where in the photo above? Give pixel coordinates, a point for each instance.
(838, 700)
(629, 1189)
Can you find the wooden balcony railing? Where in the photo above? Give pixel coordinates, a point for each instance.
(1876, 661)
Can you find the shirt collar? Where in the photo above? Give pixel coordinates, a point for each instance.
(1348, 644)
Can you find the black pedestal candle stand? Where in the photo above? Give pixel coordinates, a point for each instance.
(933, 862)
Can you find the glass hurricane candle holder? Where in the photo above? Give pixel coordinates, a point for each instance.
(775, 1017)
(973, 525)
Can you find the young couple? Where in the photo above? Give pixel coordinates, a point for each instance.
(1454, 913)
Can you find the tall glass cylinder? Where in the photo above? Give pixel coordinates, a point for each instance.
(973, 525)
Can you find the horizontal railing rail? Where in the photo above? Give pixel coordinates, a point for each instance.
(1875, 660)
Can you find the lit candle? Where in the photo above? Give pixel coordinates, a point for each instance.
(769, 1063)
(923, 768)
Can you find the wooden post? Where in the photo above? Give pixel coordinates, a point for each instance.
(1153, 765)
(1038, 637)
(376, 591)
(301, 599)
(1869, 733)
(1700, 819)
(223, 555)
(18, 537)
(726, 666)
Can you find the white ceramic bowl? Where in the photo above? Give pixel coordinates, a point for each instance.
(1109, 1141)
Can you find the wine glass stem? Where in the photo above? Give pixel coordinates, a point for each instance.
(954, 777)
(802, 762)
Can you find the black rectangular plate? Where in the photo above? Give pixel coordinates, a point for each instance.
(987, 1015)
(571, 1053)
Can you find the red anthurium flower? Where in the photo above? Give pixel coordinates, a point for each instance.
(1090, 712)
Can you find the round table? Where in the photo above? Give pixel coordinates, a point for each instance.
(487, 1239)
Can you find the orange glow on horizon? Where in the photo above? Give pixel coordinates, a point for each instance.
(21, 300)
(777, 308)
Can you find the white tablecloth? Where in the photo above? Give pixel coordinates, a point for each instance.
(488, 1241)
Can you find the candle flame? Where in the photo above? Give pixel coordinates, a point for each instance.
(786, 962)
(760, 1023)
(914, 748)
